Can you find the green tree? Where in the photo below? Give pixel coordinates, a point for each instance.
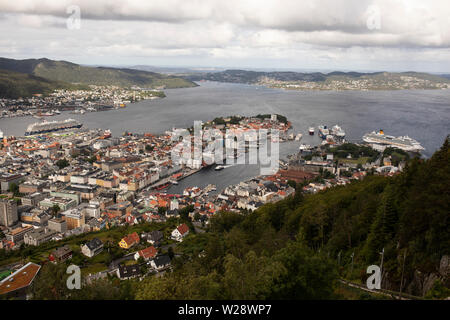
(62, 163)
(55, 209)
(51, 283)
(14, 188)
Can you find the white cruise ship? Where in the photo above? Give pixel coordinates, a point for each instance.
(51, 126)
(405, 143)
(338, 132)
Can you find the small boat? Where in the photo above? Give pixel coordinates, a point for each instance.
(304, 147)
(173, 182)
(218, 168)
(298, 137)
(311, 131)
(164, 186)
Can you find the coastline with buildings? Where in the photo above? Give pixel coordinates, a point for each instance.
(75, 183)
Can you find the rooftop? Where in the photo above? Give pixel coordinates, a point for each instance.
(20, 279)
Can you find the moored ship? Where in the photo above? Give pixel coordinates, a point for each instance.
(338, 132)
(323, 132)
(403, 142)
(51, 126)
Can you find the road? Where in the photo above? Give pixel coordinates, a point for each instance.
(361, 287)
(115, 264)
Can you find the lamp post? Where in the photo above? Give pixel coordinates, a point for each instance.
(353, 254)
(401, 279)
(339, 258)
(381, 267)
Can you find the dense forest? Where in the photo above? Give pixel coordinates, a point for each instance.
(298, 248)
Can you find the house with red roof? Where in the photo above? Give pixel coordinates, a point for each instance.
(129, 241)
(180, 232)
(146, 254)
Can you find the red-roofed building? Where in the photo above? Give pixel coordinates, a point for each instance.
(16, 284)
(180, 232)
(146, 254)
(129, 241)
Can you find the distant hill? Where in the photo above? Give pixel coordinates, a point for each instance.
(328, 81)
(14, 85)
(74, 73)
(252, 77)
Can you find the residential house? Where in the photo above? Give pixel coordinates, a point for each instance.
(92, 248)
(128, 272)
(180, 232)
(160, 262)
(154, 237)
(129, 241)
(61, 254)
(146, 254)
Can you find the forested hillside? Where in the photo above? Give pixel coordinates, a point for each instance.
(290, 249)
(73, 73)
(299, 247)
(15, 85)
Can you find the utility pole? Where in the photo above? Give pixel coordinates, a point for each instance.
(381, 267)
(401, 279)
(351, 272)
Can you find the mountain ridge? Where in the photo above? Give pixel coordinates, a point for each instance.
(69, 72)
(335, 80)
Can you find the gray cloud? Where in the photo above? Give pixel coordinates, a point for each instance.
(233, 31)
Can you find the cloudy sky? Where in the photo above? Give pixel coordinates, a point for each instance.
(393, 35)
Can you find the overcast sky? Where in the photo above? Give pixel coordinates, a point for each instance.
(392, 35)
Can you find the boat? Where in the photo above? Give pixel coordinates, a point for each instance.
(311, 131)
(107, 134)
(304, 147)
(221, 167)
(1, 134)
(51, 126)
(164, 186)
(323, 132)
(338, 132)
(403, 142)
(298, 137)
(173, 182)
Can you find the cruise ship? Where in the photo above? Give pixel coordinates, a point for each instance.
(338, 132)
(323, 131)
(51, 126)
(405, 143)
